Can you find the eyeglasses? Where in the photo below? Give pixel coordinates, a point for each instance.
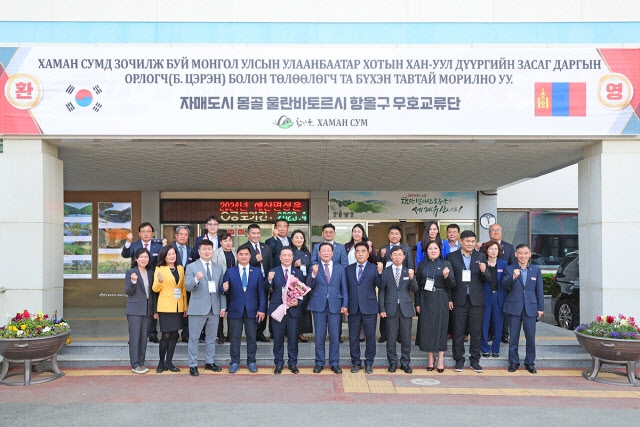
(212, 223)
(496, 231)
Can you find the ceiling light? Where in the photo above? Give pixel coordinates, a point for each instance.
(429, 144)
(512, 145)
(181, 144)
(264, 144)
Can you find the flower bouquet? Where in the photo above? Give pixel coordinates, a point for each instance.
(620, 327)
(294, 290)
(33, 325)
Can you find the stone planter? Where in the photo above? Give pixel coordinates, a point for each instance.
(611, 351)
(30, 351)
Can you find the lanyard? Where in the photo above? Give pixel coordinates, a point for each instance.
(434, 270)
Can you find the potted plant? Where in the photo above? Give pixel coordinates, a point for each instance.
(32, 338)
(611, 340)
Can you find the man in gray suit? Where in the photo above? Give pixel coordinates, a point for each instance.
(206, 306)
(395, 304)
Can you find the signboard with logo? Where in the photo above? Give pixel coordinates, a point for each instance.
(78, 240)
(234, 211)
(307, 91)
(395, 205)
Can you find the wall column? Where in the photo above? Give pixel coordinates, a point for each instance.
(31, 227)
(608, 226)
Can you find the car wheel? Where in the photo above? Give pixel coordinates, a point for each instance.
(567, 314)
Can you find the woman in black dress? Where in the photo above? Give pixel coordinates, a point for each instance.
(302, 261)
(435, 281)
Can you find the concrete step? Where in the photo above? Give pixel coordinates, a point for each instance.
(550, 354)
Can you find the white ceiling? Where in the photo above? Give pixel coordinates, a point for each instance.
(308, 165)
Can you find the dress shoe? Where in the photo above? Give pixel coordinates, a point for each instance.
(277, 370)
(160, 369)
(485, 355)
(466, 338)
(430, 368)
(262, 338)
(531, 368)
(355, 368)
(220, 340)
(368, 369)
(138, 370)
(185, 339)
(294, 369)
(336, 369)
(171, 367)
(440, 370)
(340, 340)
(233, 368)
(505, 340)
(212, 367)
(318, 369)
(495, 354)
(154, 340)
(227, 338)
(392, 367)
(459, 365)
(361, 339)
(476, 366)
(302, 339)
(406, 368)
(193, 371)
(381, 340)
(253, 368)
(201, 341)
(513, 367)
(490, 338)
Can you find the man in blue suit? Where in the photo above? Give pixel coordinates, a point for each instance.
(276, 281)
(247, 302)
(145, 231)
(329, 300)
(279, 240)
(339, 253)
(212, 234)
(362, 279)
(524, 304)
(184, 258)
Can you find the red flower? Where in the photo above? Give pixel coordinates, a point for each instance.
(26, 314)
(598, 318)
(610, 319)
(46, 316)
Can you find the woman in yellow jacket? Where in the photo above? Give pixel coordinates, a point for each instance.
(168, 280)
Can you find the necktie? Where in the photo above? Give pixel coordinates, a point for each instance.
(257, 249)
(146, 246)
(327, 274)
(286, 275)
(208, 273)
(184, 256)
(359, 272)
(397, 277)
(244, 278)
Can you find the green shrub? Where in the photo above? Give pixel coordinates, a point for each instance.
(551, 287)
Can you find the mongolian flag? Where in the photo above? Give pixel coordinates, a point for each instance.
(560, 99)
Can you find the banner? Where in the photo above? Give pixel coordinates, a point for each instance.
(125, 90)
(114, 223)
(78, 229)
(395, 205)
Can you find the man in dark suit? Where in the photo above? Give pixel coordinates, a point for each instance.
(183, 258)
(508, 255)
(212, 234)
(329, 300)
(470, 272)
(261, 259)
(279, 240)
(276, 281)
(339, 253)
(384, 260)
(395, 304)
(145, 231)
(362, 279)
(247, 304)
(524, 304)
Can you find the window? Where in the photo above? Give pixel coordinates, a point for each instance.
(553, 235)
(515, 226)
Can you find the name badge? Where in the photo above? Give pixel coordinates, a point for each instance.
(466, 275)
(177, 293)
(212, 286)
(303, 268)
(156, 254)
(534, 278)
(389, 263)
(499, 270)
(428, 286)
(405, 278)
